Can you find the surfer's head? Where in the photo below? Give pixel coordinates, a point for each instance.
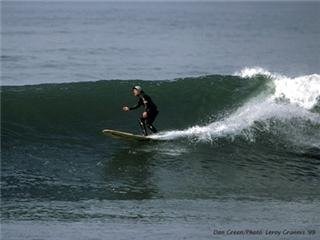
(136, 90)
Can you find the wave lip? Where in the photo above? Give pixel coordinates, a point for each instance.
(303, 90)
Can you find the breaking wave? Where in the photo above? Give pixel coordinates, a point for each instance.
(292, 101)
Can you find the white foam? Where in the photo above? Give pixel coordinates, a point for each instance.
(301, 94)
(251, 72)
(240, 120)
(303, 90)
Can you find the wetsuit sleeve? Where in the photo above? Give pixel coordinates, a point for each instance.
(139, 103)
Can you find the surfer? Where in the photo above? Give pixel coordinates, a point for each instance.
(150, 110)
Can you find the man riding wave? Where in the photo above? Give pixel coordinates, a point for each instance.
(150, 110)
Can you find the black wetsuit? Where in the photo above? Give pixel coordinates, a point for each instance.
(152, 112)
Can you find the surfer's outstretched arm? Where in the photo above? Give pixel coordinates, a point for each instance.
(126, 108)
(136, 106)
(139, 103)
